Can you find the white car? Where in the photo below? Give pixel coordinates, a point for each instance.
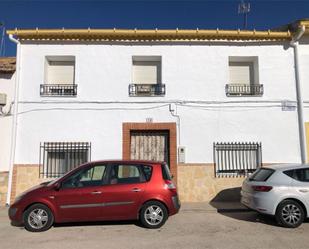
(279, 190)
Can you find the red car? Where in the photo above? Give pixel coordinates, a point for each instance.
(103, 190)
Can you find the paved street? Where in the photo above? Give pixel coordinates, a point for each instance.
(196, 226)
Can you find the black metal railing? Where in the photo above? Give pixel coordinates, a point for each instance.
(244, 90)
(236, 159)
(58, 158)
(146, 89)
(58, 90)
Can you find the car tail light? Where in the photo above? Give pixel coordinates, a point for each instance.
(262, 188)
(170, 185)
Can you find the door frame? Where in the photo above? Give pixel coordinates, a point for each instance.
(171, 127)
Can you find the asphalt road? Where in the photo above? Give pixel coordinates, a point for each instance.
(191, 228)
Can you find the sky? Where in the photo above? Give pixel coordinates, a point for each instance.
(145, 14)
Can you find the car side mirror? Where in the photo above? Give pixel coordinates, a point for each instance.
(57, 186)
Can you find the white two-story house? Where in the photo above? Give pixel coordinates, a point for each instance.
(214, 104)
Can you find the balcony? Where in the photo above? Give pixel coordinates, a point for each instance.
(244, 90)
(58, 90)
(146, 90)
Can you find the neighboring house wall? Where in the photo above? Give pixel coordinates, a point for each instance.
(304, 78)
(7, 83)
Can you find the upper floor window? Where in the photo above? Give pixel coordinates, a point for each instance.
(59, 76)
(243, 77)
(146, 76)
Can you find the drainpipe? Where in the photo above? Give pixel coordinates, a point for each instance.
(14, 122)
(300, 108)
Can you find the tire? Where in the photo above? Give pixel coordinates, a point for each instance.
(38, 218)
(290, 214)
(153, 214)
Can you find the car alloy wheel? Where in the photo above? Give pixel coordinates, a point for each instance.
(38, 218)
(290, 214)
(153, 214)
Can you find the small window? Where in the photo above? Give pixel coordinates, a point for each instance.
(301, 175)
(243, 77)
(146, 76)
(59, 76)
(126, 174)
(88, 177)
(58, 158)
(261, 175)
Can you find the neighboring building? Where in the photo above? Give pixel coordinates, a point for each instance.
(158, 94)
(7, 83)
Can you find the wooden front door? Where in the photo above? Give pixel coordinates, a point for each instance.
(150, 145)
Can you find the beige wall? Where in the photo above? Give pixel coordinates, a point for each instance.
(4, 176)
(196, 183)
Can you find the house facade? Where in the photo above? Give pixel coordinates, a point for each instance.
(214, 104)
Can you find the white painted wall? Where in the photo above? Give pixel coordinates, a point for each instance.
(191, 72)
(7, 84)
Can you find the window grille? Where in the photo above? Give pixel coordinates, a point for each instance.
(58, 158)
(236, 159)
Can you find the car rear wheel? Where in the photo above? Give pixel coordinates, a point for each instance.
(38, 218)
(153, 214)
(290, 214)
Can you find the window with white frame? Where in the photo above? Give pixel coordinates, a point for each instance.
(146, 76)
(59, 78)
(243, 77)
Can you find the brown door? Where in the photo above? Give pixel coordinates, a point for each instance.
(150, 145)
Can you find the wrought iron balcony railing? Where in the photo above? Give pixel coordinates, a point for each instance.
(244, 90)
(58, 90)
(147, 89)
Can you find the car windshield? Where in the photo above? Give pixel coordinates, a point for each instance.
(261, 175)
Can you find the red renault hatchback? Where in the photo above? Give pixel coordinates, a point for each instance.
(104, 190)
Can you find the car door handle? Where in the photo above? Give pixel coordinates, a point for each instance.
(96, 192)
(136, 190)
(303, 190)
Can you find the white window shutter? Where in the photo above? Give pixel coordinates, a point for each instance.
(241, 73)
(60, 72)
(146, 72)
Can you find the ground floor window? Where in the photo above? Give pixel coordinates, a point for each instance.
(58, 158)
(237, 159)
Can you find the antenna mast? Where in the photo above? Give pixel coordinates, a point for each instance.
(244, 8)
(2, 43)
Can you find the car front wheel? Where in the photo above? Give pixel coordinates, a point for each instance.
(38, 218)
(290, 214)
(153, 214)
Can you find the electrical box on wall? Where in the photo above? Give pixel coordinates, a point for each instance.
(181, 154)
(2, 99)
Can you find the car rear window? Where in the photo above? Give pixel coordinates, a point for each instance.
(261, 175)
(166, 172)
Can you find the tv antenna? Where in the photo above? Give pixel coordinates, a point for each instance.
(2, 42)
(244, 8)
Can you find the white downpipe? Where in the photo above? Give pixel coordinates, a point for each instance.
(300, 108)
(14, 125)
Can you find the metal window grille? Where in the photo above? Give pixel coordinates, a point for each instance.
(244, 90)
(146, 89)
(236, 159)
(58, 158)
(58, 90)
